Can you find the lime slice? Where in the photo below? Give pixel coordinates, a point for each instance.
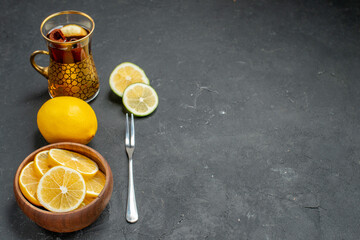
(125, 74)
(140, 99)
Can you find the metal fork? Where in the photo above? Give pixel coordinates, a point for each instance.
(131, 209)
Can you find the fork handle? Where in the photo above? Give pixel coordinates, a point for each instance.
(131, 210)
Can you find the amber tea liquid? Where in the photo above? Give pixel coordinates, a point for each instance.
(72, 71)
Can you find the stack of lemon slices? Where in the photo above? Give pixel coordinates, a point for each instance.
(130, 82)
(61, 180)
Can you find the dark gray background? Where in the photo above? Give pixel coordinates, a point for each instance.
(257, 131)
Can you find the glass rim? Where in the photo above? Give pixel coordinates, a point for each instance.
(63, 13)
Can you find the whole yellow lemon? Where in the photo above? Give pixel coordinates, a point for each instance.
(67, 119)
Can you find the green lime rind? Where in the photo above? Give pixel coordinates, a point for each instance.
(133, 111)
(112, 83)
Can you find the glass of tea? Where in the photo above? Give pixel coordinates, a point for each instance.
(71, 71)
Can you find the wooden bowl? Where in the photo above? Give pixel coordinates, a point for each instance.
(74, 220)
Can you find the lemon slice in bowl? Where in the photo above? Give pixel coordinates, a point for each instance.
(140, 99)
(42, 163)
(87, 201)
(95, 185)
(61, 189)
(124, 75)
(28, 182)
(84, 165)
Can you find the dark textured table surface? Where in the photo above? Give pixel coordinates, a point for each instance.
(257, 131)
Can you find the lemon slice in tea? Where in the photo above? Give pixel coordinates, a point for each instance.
(125, 74)
(140, 99)
(73, 30)
(61, 189)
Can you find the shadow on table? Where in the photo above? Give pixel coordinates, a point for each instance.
(39, 140)
(42, 94)
(117, 100)
(23, 228)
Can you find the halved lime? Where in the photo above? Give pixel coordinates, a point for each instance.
(124, 75)
(140, 99)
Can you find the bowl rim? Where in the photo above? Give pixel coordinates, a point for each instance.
(30, 157)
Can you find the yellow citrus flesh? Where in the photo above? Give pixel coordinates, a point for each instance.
(28, 182)
(124, 75)
(95, 185)
(140, 99)
(61, 189)
(71, 119)
(73, 30)
(84, 165)
(42, 163)
(87, 200)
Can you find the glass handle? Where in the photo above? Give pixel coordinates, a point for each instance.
(42, 70)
